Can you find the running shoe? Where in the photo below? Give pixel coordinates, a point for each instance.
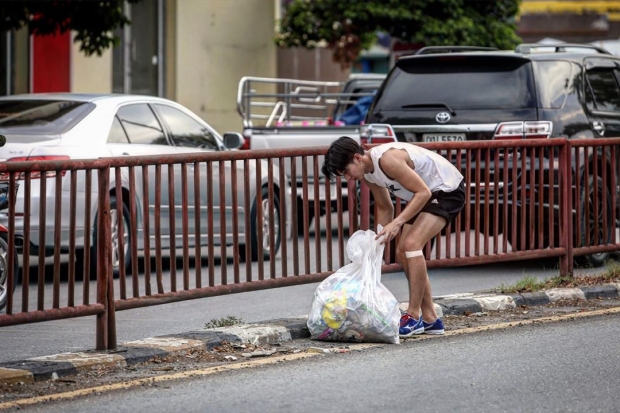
(409, 326)
(436, 327)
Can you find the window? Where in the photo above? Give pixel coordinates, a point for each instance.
(141, 125)
(461, 82)
(117, 133)
(41, 117)
(137, 62)
(186, 131)
(604, 89)
(14, 61)
(554, 81)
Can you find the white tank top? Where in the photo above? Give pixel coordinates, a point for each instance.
(435, 170)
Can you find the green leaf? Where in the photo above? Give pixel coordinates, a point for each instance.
(93, 21)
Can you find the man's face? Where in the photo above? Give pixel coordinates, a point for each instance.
(354, 170)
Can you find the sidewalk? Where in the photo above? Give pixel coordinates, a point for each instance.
(271, 332)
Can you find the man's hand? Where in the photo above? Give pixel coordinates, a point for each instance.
(390, 231)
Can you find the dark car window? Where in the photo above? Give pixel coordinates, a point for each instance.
(462, 82)
(141, 125)
(604, 89)
(45, 117)
(117, 133)
(553, 80)
(185, 131)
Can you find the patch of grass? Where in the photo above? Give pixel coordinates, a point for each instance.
(612, 271)
(531, 284)
(224, 322)
(526, 284)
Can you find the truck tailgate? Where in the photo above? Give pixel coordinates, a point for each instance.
(301, 137)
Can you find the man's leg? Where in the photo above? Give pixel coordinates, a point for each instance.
(414, 238)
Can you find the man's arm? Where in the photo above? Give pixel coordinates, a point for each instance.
(385, 208)
(397, 164)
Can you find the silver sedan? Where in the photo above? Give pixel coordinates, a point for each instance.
(79, 126)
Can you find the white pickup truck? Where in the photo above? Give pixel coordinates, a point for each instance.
(289, 113)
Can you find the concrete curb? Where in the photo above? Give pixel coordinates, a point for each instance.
(268, 332)
(133, 352)
(461, 304)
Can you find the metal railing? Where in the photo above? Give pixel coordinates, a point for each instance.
(191, 226)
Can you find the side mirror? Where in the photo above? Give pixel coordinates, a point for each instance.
(233, 140)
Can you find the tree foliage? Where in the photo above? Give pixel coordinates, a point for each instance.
(350, 26)
(93, 21)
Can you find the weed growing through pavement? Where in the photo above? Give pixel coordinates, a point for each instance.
(612, 272)
(526, 284)
(532, 284)
(224, 322)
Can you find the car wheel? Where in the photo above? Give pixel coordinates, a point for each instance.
(594, 222)
(115, 242)
(265, 225)
(4, 270)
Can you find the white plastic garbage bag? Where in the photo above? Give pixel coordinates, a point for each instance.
(351, 304)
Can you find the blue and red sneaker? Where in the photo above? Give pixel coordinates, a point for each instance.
(409, 326)
(436, 327)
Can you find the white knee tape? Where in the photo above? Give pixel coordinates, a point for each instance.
(413, 254)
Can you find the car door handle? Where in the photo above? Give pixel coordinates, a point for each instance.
(125, 154)
(599, 127)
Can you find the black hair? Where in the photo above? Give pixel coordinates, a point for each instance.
(340, 154)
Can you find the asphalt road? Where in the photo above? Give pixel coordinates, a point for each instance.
(41, 339)
(560, 367)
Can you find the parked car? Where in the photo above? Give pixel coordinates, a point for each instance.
(81, 126)
(534, 92)
(4, 267)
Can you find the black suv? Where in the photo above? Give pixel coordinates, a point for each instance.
(537, 91)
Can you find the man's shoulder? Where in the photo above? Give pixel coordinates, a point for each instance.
(393, 153)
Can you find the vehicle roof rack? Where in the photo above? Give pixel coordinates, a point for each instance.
(366, 76)
(526, 48)
(453, 49)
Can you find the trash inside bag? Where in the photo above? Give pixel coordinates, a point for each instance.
(352, 305)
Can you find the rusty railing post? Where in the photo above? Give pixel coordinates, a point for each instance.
(566, 218)
(106, 322)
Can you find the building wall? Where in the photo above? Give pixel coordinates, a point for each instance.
(571, 21)
(91, 74)
(219, 42)
(310, 64)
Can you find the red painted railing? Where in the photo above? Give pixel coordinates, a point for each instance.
(239, 224)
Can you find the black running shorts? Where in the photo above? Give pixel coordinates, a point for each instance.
(445, 204)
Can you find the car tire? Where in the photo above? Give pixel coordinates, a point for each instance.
(594, 260)
(265, 222)
(115, 243)
(4, 276)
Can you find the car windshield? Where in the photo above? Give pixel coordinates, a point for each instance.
(461, 82)
(41, 117)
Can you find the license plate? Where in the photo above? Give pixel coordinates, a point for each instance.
(443, 137)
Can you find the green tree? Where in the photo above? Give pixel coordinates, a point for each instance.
(350, 26)
(93, 21)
